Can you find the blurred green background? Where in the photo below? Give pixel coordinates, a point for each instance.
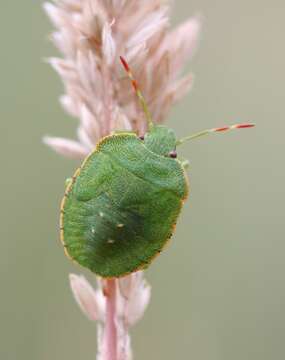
(219, 289)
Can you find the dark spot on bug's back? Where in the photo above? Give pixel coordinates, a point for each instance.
(173, 154)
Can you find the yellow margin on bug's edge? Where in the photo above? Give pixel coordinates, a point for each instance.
(77, 173)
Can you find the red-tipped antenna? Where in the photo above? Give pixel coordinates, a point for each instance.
(138, 92)
(215, 130)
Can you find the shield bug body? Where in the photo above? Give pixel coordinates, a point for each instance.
(122, 204)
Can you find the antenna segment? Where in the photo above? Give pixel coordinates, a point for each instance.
(138, 92)
(214, 130)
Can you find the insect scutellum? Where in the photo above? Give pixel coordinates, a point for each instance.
(161, 139)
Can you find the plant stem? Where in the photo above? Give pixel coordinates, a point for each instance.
(110, 332)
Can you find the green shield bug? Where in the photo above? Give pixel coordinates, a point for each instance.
(121, 206)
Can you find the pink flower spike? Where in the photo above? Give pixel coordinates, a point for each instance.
(53, 13)
(152, 24)
(68, 105)
(109, 45)
(90, 35)
(136, 292)
(85, 297)
(69, 148)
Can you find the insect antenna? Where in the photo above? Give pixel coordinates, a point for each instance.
(214, 130)
(138, 92)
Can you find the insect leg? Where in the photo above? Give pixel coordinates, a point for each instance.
(68, 182)
(185, 163)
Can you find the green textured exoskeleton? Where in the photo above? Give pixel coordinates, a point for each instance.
(122, 204)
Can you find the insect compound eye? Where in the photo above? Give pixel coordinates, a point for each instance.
(173, 154)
